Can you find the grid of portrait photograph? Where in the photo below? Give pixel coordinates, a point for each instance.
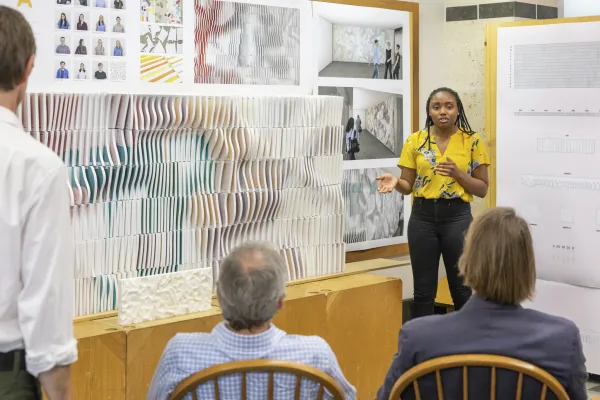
(90, 40)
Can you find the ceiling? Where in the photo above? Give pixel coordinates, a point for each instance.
(368, 17)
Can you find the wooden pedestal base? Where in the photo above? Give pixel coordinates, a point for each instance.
(359, 315)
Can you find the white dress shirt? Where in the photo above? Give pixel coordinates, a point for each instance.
(36, 251)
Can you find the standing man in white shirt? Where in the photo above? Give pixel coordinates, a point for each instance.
(36, 257)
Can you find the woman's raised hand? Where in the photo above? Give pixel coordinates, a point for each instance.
(387, 183)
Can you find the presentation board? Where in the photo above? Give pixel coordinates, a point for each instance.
(170, 46)
(363, 55)
(248, 48)
(548, 161)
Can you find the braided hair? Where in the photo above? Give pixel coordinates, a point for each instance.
(462, 122)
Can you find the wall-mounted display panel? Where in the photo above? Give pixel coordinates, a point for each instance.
(371, 219)
(171, 46)
(544, 90)
(364, 55)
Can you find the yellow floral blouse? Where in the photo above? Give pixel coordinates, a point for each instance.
(466, 150)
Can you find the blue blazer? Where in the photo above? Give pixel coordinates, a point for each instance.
(62, 74)
(484, 327)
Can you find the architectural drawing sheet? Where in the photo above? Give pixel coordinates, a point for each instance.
(548, 163)
(548, 151)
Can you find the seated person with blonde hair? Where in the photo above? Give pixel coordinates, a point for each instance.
(250, 289)
(498, 264)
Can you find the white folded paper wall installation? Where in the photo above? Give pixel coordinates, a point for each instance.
(163, 184)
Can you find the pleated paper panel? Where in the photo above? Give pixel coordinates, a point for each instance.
(162, 184)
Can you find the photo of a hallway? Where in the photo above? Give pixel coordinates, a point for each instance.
(380, 116)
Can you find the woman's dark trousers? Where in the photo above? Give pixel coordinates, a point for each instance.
(437, 228)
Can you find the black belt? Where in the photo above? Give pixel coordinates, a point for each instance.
(9, 361)
(440, 201)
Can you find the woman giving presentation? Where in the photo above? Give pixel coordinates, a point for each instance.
(443, 166)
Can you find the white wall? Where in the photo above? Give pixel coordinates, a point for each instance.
(355, 43)
(363, 99)
(581, 8)
(362, 112)
(433, 41)
(432, 21)
(325, 47)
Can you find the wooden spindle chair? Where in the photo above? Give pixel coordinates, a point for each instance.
(190, 384)
(465, 361)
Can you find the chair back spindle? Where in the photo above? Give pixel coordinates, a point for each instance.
(190, 384)
(464, 361)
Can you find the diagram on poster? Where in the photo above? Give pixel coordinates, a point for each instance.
(548, 166)
(161, 45)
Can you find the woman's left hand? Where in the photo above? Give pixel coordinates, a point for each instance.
(448, 168)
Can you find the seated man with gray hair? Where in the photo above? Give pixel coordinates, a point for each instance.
(251, 289)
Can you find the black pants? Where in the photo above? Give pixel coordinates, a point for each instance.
(388, 68)
(15, 381)
(437, 227)
(396, 72)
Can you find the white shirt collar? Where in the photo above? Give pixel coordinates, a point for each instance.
(9, 117)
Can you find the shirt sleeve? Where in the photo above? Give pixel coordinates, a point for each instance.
(408, 155)
(576, 387)
(46, 301)
(479, 155)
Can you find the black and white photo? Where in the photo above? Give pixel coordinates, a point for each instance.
(372, 120)
(368, 214)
